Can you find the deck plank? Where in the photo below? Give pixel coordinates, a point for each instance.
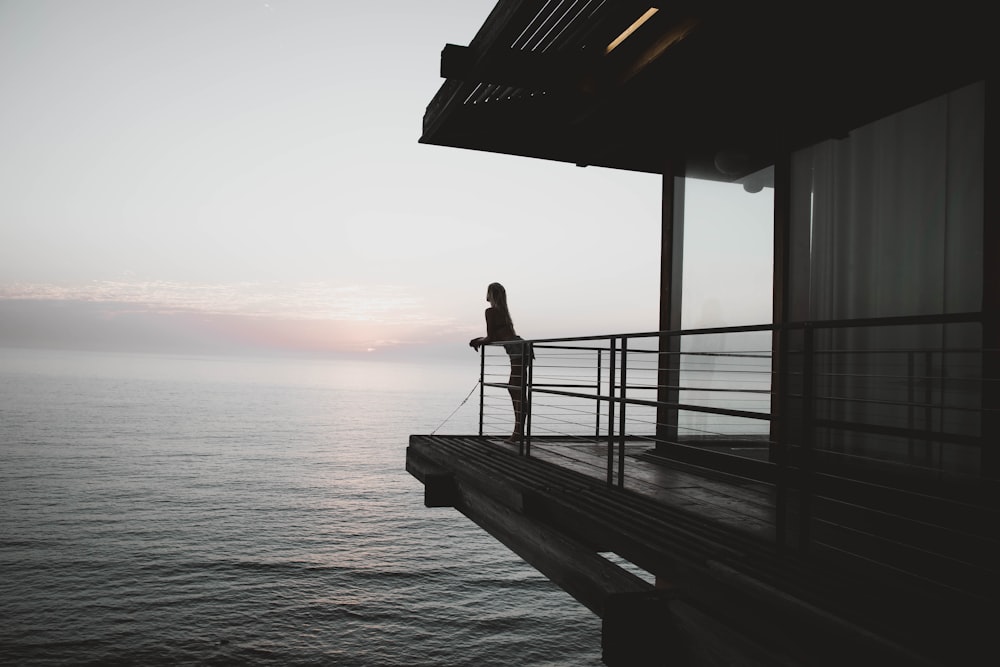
(748, 508)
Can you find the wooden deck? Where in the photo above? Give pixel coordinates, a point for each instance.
(725, 592)
(739, 504)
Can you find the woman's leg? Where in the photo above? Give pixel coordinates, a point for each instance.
(516, 376)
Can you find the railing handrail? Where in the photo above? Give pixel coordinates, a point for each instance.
(895, 320)
(606, 388)
(551, 387)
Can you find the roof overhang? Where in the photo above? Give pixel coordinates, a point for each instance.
(716, 89)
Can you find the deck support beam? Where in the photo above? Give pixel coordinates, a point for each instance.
(575, 567)
(439, 484)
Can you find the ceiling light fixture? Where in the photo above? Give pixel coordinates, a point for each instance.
(629, 30)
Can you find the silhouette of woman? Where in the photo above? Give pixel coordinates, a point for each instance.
(500, 327)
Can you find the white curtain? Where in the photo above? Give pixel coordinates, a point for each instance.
(892, 215)
(889, 222)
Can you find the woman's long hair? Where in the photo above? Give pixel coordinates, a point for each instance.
(499, 295)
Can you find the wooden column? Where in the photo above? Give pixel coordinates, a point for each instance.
(781, 314)
(990, 460)
(671, 271)
(781, 308)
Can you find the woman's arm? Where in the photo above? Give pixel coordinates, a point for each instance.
(493, 329)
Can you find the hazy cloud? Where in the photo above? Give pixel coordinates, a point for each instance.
(306, 301)
(217, 318)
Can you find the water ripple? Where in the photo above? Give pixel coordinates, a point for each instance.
(156, 519)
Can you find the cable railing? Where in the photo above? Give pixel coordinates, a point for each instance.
(612, 388)
(871, 437)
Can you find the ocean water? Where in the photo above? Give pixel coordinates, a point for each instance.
(161, 510)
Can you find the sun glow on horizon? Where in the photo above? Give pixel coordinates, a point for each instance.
(309, 317)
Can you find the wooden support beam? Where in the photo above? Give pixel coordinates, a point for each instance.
(439, 490)
(520, 69)
(991, 288)
(637, 631)
(710, 643)
(439, 484)
(671, 274)
(583, 573)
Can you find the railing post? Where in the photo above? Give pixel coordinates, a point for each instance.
(779, 430)
(621, 414)
(527, 367)
(806, 469)
(597, 415)
(611, 414)
(911, 400)
(482, 385)
(929, 387)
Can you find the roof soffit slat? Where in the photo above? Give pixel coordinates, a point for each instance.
(768, 76)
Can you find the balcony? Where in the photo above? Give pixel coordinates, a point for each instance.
(814, 492)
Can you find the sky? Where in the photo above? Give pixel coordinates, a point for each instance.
(215, 176)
